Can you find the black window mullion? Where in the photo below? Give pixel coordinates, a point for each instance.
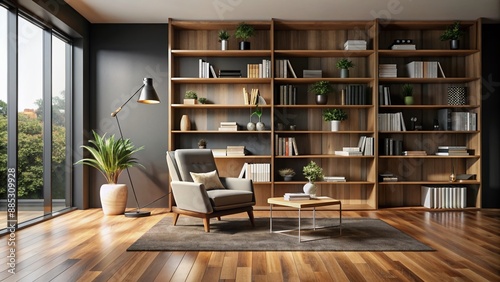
(47, 121)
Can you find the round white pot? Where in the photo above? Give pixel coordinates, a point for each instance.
(113, 198)
(335, 125)
(310, 188)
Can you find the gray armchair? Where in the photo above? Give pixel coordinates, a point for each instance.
(210, 196)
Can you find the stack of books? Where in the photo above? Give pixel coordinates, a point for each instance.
(232, 151)
(349, 151)
(296, 196)
(387, 70)
(228, 126)
(355, 45)
(312, 73)
(334, 178)
(219, 152)
(402, 44)
(229, 73)
(452, 151)
(387, 177)
(415, 153)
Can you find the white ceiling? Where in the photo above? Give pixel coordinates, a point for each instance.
(159, 11)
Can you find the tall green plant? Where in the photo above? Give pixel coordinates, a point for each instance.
(110, 156)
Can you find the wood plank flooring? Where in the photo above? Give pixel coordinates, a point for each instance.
(87, 246)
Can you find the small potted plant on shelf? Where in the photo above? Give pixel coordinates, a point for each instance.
(344, 65)
(243, 32)
(334, 116)
(321, 90)
(190, 97)
(287, 173)
(312, 172)
(453, 33)
(407, 93)
(223, 37)
(202, 100)
(110, 156)
(259, 125)
(202, 144)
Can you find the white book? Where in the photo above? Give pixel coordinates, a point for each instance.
(243, 171)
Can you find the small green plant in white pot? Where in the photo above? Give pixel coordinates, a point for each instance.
(312, 172)
(334, 116)
(190, 97)
(223, 38)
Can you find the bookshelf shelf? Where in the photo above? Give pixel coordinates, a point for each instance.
(318, 45)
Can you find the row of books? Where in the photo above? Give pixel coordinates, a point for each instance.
(364, 148)
(286, 146)
(391, 122)
(444, 197)
(205, 69)
(251, 98)
(355, 45)
(257, 172)
(384, 95)
(420, 69)
(457, 121)
(288, 94)
(392, 147)
(284, 69)
(228, 126)
(262, 70)
(296, 196)
(355, 94)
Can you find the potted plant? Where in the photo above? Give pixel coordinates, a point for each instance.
(287, 173)
(190, 97)
(259, 125)
(344, 64)
(243, 32)
(223, 37)
(321, 90)
(453, 33)
(407, 93)
(312, 172)
(202, 144)
(203, 100)
(111, 156)
(334, 116)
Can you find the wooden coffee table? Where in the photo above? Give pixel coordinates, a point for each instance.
(313, 203)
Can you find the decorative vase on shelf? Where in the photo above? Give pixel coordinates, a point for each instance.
(408, 100)
(344, 73)
(310, 189)
(185, 123)
(454, 44)
(335, 125)
(223, 44)
(251, 126)
(260, 126)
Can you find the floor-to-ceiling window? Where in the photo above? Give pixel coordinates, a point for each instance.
(35, 145)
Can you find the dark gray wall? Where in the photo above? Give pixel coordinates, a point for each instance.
(491, 116)
(121, 55)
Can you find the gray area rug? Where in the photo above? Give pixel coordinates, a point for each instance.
(237, 234)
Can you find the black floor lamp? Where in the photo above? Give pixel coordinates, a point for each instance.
(148, 96)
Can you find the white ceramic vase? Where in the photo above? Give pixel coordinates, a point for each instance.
(310, 188)
(260, 126)
(113, 198)
(335, 125)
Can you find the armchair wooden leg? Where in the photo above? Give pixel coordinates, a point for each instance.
(174, 220)
(206, 223)
(250, 215)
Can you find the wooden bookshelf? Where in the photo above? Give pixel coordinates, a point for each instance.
(318, 45)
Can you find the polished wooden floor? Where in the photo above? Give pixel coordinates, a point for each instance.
(87, 246)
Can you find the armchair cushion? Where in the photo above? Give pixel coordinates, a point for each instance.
(223, 199)
(209, 179)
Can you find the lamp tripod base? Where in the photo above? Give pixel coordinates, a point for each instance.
(137, 213)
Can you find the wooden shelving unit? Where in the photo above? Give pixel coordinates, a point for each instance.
(318, 45)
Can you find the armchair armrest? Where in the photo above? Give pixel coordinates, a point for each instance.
(191, 196)
(237, 183)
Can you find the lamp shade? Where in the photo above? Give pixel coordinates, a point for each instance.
(148, 93)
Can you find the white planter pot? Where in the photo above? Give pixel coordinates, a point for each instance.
(113, 198)
(335, 125)
(310, 188)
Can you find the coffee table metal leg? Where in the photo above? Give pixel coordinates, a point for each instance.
(271, 218)
(314, 218)
(299, 226)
